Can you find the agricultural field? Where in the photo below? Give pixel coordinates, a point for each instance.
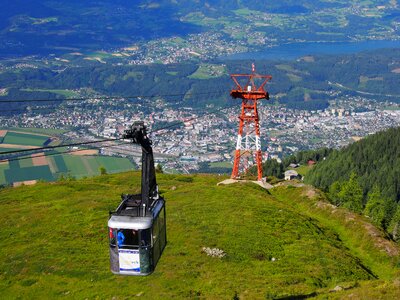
(207, 71)
(65, 93)
(11, 140)
(25, 139)
(50, 165)
(54, 167)
(42, 131)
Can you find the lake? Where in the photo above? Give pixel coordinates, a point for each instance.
(296, 50)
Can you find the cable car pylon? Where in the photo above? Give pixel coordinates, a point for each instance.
(248, 140)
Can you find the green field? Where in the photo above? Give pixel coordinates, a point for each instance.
(65, 93)
(207, 71)
(221, 165)
(278, 244)
(8, 149)
(65, 165)
(44, 131)
(24, 139)
(245, 12)
(26, 163)
(294, 78)
(3, 167)
(28, 173)
(80, 166)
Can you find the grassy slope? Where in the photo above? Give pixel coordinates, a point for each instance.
(54, 243)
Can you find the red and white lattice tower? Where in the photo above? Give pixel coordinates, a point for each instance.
(248, 141)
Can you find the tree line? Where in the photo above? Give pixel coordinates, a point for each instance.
(365, 177)
(272, 167)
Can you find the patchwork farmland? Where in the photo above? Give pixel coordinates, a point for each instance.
(48, 166)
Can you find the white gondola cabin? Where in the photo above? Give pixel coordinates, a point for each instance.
(136, 242)
(137, 229)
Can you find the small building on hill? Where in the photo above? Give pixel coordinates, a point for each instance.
(311, 162)
(291, 174)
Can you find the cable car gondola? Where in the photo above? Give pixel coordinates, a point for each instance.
(137, 229)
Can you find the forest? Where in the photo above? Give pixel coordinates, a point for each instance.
(365, 177)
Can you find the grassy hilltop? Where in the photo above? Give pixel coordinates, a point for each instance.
(283, 243)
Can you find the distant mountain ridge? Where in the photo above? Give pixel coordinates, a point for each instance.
(43, 27)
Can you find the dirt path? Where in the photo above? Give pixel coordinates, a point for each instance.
(264, 185)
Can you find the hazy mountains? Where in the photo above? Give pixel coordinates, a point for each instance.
(35, 27)
(42, 27)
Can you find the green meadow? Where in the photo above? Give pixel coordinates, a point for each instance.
(282, 243)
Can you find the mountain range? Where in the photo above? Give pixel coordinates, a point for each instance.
(44, 27)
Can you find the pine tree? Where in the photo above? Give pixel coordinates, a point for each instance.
(351, 194)
(375, 207)
(394, 225)
(334, 191)
(390, 210)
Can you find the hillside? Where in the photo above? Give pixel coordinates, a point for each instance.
(365, 177)
(283, 243)
(375, 159)
(299, 84)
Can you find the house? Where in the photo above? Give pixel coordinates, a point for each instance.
(291, 174)
(311, 162)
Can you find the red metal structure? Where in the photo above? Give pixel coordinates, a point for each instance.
(248, 141)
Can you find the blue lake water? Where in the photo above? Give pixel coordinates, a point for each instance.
(296, 50)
